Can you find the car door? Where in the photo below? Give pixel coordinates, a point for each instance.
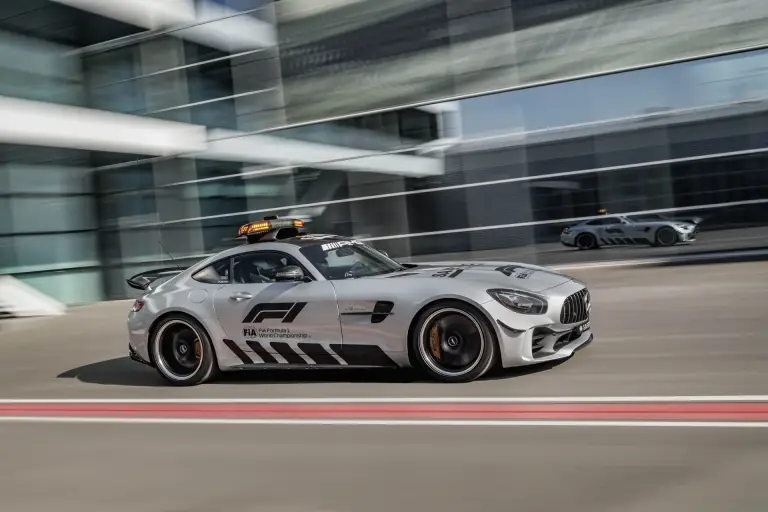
(613, 231)
(277, 322)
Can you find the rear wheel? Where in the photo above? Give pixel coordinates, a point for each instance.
(183, 352)
(586, 241)
(453, 342)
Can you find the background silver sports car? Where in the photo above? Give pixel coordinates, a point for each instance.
(623, 230)
(290, 300)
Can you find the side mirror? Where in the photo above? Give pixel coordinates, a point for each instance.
(385, 253)
(289, 273)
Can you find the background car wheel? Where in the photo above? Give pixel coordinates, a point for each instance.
(182, 351)
(453, 342)
(586, 241)
(666, 237)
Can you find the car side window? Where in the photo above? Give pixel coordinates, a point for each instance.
(605, 221)
(260, 266)
(216, 273)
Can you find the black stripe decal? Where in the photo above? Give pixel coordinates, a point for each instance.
(363, 355)
(287, 352)
(238, 351)
(261, 351)
(294, 312)
(318, 354)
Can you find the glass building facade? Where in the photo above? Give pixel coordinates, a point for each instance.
(436, 129)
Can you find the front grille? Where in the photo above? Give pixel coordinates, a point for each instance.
(574, 308)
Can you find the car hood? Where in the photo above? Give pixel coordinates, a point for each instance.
(502, 274)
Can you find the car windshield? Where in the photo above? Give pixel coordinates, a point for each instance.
(647, 218)
(349, 259)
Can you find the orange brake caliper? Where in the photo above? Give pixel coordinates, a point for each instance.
(434, 342)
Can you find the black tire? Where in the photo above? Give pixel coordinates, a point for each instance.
(586, 242)
(466, 336)
(174, 339)
(666, 237)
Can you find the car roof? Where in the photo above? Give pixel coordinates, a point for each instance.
(298, 241)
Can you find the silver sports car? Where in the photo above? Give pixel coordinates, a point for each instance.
(621, 230)
(286, 299)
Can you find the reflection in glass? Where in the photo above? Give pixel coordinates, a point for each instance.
(370, 54)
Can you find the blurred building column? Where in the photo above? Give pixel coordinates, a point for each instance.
(621, 191)
(260, 104)
(260, 76)
(494, 205)
(161, 92)
(382, 217)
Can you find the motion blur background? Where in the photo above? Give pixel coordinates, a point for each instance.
(131, 130)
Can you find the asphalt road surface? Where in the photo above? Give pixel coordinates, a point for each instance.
(660, 332)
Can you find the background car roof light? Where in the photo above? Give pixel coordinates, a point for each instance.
(267, 225)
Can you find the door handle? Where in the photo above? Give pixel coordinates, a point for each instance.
(240, 296)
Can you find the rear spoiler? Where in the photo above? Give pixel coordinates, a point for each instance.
(143, 280)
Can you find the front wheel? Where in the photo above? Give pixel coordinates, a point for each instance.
(666, 237)
(183, 352)
(453, 343)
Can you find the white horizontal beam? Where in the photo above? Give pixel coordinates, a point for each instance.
(206, 23)
(225, 29)
(22, 300)
(228, 146)
(150, 14)
(46, 124)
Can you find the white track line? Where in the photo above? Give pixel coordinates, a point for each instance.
(393, 400)
(389, 423)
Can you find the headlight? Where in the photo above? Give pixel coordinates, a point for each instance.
(520, 302)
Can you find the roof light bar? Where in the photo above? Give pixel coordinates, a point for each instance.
(265, 226)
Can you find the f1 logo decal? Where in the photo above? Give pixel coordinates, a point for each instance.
(518, 272)
(287, 311)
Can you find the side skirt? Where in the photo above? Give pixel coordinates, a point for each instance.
(279, 355)
(303, 367)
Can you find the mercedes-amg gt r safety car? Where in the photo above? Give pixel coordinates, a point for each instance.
(287, 299)
(622, 230)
